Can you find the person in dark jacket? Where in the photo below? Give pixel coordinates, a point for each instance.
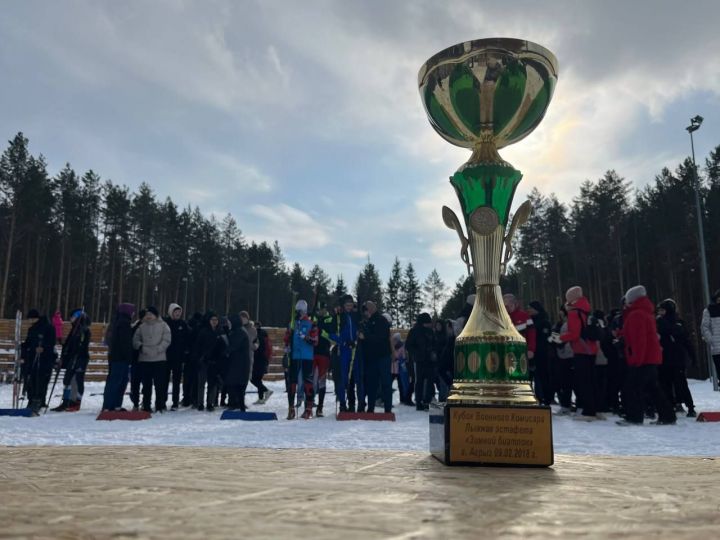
(375, 338)
(190, 385)
(446, 363)
(613, 349)
(204, 354)
(261, 362)
(74, 358)
(238, 364)
(325, 324)
(177, 352)
(677, 348)
(120, 355)
(38, 354)
(563, 371)
(543, 330)
(421, 348)
(644, 355)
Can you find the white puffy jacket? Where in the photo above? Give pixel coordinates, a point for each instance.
(710, 327)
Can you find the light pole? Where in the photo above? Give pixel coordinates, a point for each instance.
(257, 297)
(185, 306)
(695, 124)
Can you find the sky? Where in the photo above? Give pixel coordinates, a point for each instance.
(303, 119)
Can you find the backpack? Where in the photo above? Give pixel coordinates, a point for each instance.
(592, 328)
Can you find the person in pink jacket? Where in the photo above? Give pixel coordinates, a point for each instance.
(57, 323)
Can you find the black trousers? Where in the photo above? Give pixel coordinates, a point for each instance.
(259, 369)
(674, 385)
(175, 373)
(643, 381)
(564, 381)
(190, 385)
(378, 373)
(716, 360)
(154, 374)
(207, 375)
(584, 383)
(542, 387)
(615, 382)
(424, 379)
(135, 380)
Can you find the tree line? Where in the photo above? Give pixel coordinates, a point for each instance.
(75, 240)
(610, 238)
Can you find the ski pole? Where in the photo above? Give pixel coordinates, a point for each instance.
(48, 398)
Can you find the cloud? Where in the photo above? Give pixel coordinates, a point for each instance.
(357, 253)
(290, 226)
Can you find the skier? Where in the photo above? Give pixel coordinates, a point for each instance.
(152, 339)
(644, 355)
(676, 346)
(324, 324)
(74, 358)
(303, 338)
(38, 353)
(120, 355)
(177, 352)
(345, 337)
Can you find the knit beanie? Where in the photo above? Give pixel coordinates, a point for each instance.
(537, 306)
(126, 309)
(424, 318)
(33, 314)
(153, 310)
(301, 306)
(634, 294)
(573, 294)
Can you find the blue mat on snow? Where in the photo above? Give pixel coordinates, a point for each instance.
(16, 412)
(248, 416)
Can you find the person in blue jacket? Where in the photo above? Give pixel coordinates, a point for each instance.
(346, 339)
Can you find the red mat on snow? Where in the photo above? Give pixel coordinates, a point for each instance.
(366, 416)
(124, 415)
(709, 417)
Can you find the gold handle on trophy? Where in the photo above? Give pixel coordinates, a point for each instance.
(452, 222)
(520, 218)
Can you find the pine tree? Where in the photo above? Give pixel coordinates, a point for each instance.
(339, 291)
(464, 287)
(434, 290)
(368, 286)
(410, 295)
(393, 301)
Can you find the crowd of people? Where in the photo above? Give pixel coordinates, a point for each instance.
(630, 362)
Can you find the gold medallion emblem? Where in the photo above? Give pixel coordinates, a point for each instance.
(492, 362)
(523, 364)
(459, 363)
(510, 363)
(473, 362)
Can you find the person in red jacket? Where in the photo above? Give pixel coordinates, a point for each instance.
(643, 355)
(584, 351)
(523, 323)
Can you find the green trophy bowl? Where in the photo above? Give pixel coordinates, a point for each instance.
(484, 95)
(498, 88)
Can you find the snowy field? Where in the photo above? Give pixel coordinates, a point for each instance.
(188, 427)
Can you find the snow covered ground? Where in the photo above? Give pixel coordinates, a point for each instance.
(192, 428)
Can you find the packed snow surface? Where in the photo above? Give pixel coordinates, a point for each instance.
(188, 427)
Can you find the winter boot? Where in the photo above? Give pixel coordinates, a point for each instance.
(73, 406)
(267, 395)
(343, 407)
(62, 406)
(307, 415)
(291, 413)
(319, 412)
(691, 412)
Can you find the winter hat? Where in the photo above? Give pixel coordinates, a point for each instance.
(424, 318)
(634, 294)
(470, 299)
(573, 294)
(235, 321)
(153, 310)
(245, 314)
(668, 305)
(172, 307)
(126, 309)
(347, 298)
(33, 314)
(76, 313)
(301, 306)
(537, 306)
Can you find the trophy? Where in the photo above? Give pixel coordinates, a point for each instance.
(484, 95)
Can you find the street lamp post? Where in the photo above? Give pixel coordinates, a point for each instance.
(185, 306)
(695, 124)
(257, 296)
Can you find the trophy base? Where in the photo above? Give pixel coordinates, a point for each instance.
(487, 434)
